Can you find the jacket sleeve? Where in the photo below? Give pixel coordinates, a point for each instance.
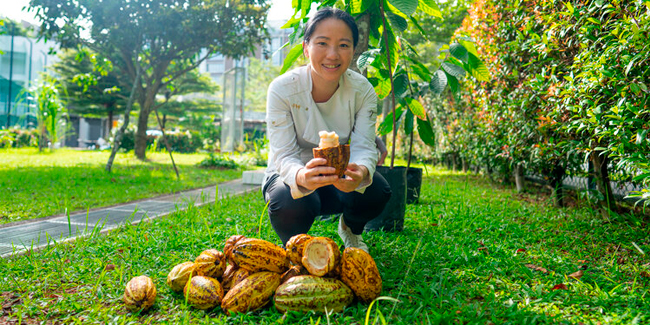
(363, 150)
(283, 144)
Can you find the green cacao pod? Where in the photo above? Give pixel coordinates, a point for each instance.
(260, 255)
(305, 293)
(295, 246)
(179, 275)
(140, 294)
(359, 271)
(320, 256)
(251, 293)
(210, 263)
(203, 292)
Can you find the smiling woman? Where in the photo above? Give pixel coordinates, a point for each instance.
(323, 96)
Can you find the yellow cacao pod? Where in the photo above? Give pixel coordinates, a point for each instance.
(359, 271)
(211, 263)
(237, 276)
(178, 276)
(229, 245)
(251, 293)
(306, 293)
(203, 292)
(140, 294)
(320, 256)
(260, 255)
(295, 246)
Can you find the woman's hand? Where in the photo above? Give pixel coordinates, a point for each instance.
(354, 175)
(315, 174)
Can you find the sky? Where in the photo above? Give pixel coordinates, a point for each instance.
(280, 9)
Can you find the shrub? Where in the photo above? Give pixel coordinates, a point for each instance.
(218, 161)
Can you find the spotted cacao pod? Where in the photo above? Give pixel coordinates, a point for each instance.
(178, 276)
(211, 263)
(320, 256)
(295, 246)
(237, 276)
(260, 255)
(229, 245)
(293, 271)
(337, 157)
(359, 271)
(305, 293)
(140, 294)
(203, 292)
(251, 293)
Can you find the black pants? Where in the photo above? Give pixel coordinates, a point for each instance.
(291, 216)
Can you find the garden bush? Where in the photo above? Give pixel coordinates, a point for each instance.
(18, 138)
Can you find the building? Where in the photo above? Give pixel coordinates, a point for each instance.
(22, 60)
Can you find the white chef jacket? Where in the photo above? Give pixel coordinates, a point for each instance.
(293, 121)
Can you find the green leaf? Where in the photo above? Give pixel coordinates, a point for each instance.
(366, 58)
(408, 7)
(594, 20)
(358, 6)
(408, 122)
(417, 25)
(426, 132)
(386, 125)
(438, 82)
(478, 68)
(401, 85)
(454, 70)
(453, 83)
(640, 136)
(397, 22)
(469, 46)
(393, 47)
(430, 7)
(569, 8)
(416, 108)
(383, 88)
(294, 53)
(421, 70)
(459, 52)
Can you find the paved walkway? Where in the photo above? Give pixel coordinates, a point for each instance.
(19, 237)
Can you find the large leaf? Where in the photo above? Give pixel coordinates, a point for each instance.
(294, 53)
(359, 6)
(430, 7)
(478, 68)
(426, 132)
(417, 25)
(383, 88)
(453, 83)
(459, 52)
(408, 7)
(438, 82)
(408, 122)
(397, 22)
(366, 58)
(386, 125)
(421, 70)
(401, 85)
(393, 47)
(416, 107)
(453, 70)
(469, 46)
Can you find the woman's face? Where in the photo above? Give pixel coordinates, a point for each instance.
(330, 50)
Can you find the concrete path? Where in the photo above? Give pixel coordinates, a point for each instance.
(19, 237)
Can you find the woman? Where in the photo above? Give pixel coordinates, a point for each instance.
(323, 96)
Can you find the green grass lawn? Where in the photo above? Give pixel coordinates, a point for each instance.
(38, 185)
(471, 253)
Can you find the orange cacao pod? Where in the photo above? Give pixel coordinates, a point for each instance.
(359, 271)
(211, 263)
(251, 293)
(229, 245)
(295, 246)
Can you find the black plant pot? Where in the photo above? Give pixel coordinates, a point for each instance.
(413, 185)
(392, 218)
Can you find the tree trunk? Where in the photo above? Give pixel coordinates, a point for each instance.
(556, 176)
(363, 23)
(164, 121)
(110, 121)
(465, 165)
(603, 184)
(519, 177)
(143, 119)
(118, 137)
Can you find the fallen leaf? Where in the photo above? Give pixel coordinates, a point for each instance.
(458, 312)
(478, 230)
(112, 179)
(67, 260)
(536, 268)
(483, 249)
(433, 224)
(582, 261)
(110, 267)
(576, 275)
(560, 286)
(521, 250)
(645, 274)
(480, 242)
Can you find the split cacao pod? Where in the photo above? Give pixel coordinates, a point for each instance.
(260, 255)
(305, 293)
(251, 293)
(359, 271)
(337, 157)
(320, 256)
(140, 294)
(295, 246)
(211, 263)
(179, 275)
(203, 292)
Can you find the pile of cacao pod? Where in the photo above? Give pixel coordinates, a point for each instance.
(311, 274)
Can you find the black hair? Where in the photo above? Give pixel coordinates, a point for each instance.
(329, 12)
